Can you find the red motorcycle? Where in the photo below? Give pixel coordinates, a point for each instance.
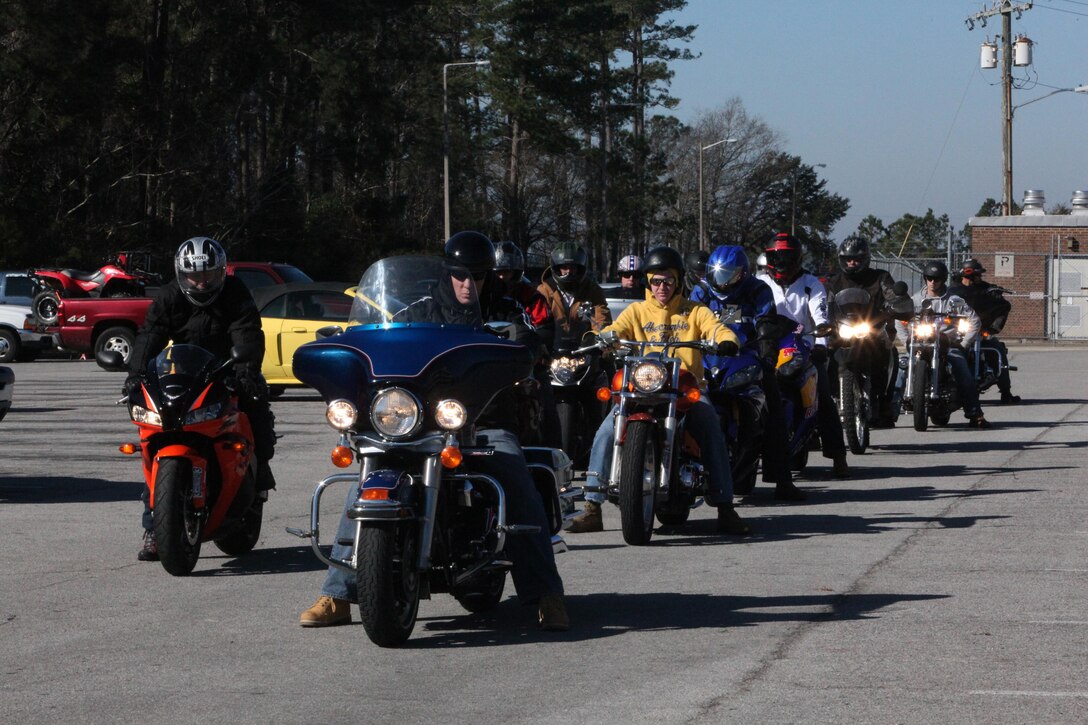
(119, 277)
(198, 456)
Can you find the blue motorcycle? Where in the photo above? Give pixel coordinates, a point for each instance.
(404, 397)
(733, 385)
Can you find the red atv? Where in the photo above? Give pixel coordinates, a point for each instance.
(123, 275)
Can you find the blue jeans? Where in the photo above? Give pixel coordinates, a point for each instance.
(702, 422)
(534, 573)
(965, 382)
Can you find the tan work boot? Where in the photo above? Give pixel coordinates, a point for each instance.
(839, 466)
(327, 612)
(588, 521)
(553, 613)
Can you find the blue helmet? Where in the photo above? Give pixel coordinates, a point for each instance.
(726, 268)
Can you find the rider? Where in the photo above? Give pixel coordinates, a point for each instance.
(801, 297)
(667, 315)
(728, 284)
(205, 307)
(943, 301)
(631, 287)
(577, 302)
(993, 309)
(469, 258)
(855, 271)
(695, 269)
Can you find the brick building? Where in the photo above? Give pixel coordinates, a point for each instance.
(1043, 260)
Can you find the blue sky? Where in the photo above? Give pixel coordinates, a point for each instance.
(889, 94)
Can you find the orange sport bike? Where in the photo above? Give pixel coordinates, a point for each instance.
(197, 449)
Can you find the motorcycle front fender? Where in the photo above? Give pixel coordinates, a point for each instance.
(385, 495)
(199, 467)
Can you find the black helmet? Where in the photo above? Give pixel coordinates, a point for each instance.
(972, 269)
(784, 257)
(201, 268)
(508, 256)
(937, 271)
(569, 254)
(661, 259)
(470, 250)
(695, 266)
(855, 248)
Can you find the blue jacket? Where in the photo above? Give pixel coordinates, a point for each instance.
(746, 303)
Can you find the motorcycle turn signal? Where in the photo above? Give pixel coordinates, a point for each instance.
(341, 456)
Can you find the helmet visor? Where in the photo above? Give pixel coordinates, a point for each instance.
(203, 285)
(722, 277)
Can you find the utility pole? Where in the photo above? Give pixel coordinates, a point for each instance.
(1005, 9)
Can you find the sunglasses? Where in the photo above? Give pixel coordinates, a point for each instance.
(662, 282)
(462, 274)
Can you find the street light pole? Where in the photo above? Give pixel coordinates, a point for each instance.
(446, 140)
(702, 236)
(793, 196)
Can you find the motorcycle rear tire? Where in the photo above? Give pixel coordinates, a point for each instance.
(176, 523)
(388, 583)
(637, 484)
(45, 306)
(919, 390)
(483, 593)
(245, 537)
(855, 421)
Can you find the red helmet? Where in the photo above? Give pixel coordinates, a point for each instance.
(784, 257)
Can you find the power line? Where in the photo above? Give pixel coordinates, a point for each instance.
(1062, 10)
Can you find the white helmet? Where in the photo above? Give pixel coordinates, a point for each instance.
(629, 264)
(761, 263)
(201, 267)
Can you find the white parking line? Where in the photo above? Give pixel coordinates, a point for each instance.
(1058, 621)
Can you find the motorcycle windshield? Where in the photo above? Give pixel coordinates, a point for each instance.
(178, 366)
(853, 301)
(416, 323)
(415, 289)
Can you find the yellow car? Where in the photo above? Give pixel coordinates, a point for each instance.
(291, 315)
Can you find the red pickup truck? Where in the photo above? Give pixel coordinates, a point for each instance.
(90, 324)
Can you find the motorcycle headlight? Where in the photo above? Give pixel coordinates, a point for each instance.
(203, 415)
(648, 377)
(743, 377)
(395, 413)
(846, 332)
(923, 330)
(564, 368)
(341, 414)
(450, 415)
(963, 326)
(141, 414)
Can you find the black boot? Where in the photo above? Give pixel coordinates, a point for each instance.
(265, 480)
(729, 522)
(786, 491)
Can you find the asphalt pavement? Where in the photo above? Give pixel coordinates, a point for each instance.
(945, 581)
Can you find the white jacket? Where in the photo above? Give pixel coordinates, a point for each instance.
(803, 300)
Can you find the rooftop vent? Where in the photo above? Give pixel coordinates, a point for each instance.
(1080, 202)
(1034, 200)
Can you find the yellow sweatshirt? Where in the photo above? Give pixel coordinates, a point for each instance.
(680, 320)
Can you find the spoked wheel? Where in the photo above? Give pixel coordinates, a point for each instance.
(855, 416)
(177, 522)
(482, 593)
(919, 388)
(388, 583)
(638, 476)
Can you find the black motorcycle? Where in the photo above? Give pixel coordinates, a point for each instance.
(576, 375)
(932, 395)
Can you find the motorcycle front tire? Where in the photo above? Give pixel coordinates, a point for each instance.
(919, 389)
(388, 583)
(855, 423)
(177, 524)
(637, 484)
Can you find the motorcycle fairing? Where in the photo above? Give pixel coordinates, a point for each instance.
(435, 361)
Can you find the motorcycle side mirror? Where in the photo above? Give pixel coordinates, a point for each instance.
(110, 360)
(927, 304)
(328, 331)
(245, 353)
(900, 289)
